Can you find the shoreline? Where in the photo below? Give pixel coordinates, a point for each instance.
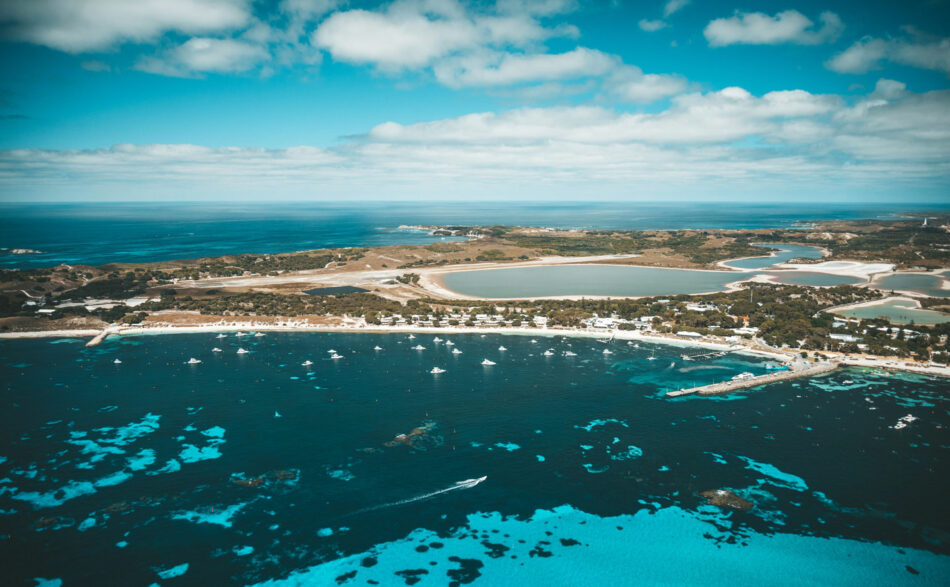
(625, 335)
(874, 362)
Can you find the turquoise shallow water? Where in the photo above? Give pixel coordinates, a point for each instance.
(899, 312)
(783, 254)
(253, 468)
(604, 280)
(929, 285)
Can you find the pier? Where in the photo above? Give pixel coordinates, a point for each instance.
(100, 337)
(736, 384)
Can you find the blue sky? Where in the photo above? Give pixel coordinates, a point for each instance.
(436, 99)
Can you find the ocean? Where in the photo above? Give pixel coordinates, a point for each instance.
(94, 234)
(256, 468)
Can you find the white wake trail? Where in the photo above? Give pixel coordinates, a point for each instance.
(466, 484)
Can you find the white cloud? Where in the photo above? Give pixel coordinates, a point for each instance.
(204, 55)
(715, 117)
(78, 26)
(868, 53)
(651, 26)
(673, 6)
(630, 84)
(494, 69)
(409, 35)
(756, 28)
(780, 144)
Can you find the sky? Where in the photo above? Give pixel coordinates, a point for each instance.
(560, 100)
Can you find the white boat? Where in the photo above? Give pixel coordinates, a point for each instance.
(241, 334)
(534, 341)
(487, 363)
(437, 339)
(336, 356)
(215, 350)
(502, 348)
(449, 343)
(193, 361)
(456, 352)
(332, 351)
(259, 334)
(377, 348)
(222, 335)
(743, 376)
(436, 371)
(418, 347)
(307, 363)
(469, 483)
(607, 352)
(570, 354)
(548, 353)
(242, 351)
(117, 362)
(411, 337)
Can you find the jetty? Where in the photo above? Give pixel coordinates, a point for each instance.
(735, 384)
(100, 337)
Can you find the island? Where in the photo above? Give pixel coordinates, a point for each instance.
(786, 293)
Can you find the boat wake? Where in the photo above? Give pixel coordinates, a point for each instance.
(466, 484)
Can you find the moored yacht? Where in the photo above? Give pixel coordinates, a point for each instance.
(215, 350)
(242, 351)
(418, 347)
(548, 353)
(307, 363)
(437, 339)
(487, 363)
(502, 348)
(436, 371)
(193, 361)
(449, 343)
(377, 348)
(456, 352)
(336, 356)
(117, 361)
(607, 352)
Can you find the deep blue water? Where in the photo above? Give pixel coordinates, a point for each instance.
(146, 470)
(115, 232)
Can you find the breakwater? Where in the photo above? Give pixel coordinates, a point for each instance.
(735, 384)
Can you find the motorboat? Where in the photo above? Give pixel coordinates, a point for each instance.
(307, 363)
(242, 351)
(193, 361)
(487, 363)
(436, 371)
(456, 352)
